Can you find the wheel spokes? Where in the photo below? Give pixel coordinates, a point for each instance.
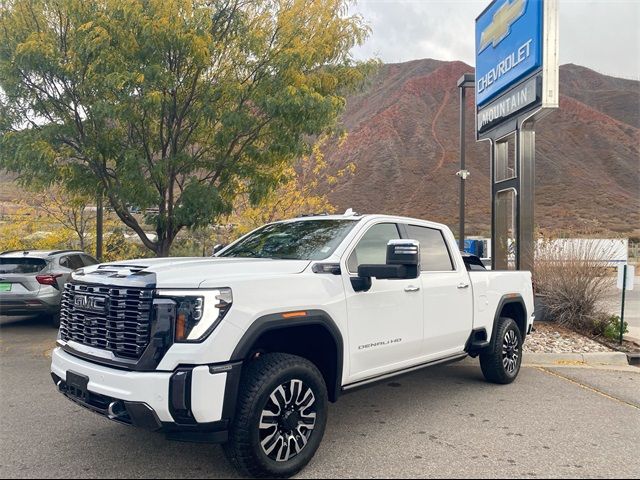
(271, 442)
(279, 398)
(285, 450)
(287, 420)
(268, 419)
(510, 351)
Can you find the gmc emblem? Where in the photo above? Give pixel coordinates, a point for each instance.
(95, 304)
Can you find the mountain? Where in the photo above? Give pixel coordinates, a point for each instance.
(403, 139)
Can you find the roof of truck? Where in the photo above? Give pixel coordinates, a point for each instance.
(351, 215)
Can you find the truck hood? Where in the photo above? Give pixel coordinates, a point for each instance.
(187, 272)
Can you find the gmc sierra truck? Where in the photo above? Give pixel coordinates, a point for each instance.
(248, 347)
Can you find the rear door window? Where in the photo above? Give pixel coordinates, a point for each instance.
(75, 262)
(434, 254)
(88, 260)
(21, 265)
(65, 262)
(72, 262)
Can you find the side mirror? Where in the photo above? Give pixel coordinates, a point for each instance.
(405, 253)
(217, 248)
(403, 262)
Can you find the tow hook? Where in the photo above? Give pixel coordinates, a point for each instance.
(116, 410)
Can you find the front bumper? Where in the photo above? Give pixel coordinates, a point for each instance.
(190, 404)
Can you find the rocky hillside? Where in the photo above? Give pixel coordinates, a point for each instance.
(403, 138)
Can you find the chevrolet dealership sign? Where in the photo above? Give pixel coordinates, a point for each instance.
(516, 100)
(516, 60)
(508, 45)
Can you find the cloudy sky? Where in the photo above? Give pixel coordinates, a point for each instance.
(600, 34)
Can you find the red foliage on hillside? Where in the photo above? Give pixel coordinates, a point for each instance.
(403, 138)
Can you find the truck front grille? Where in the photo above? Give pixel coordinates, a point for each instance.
(116, 319)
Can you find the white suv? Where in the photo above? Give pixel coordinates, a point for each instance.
(248, 348)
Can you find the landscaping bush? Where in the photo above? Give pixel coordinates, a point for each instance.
(572, 279)
(612, 328)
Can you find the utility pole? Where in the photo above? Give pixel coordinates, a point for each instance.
(466, 81)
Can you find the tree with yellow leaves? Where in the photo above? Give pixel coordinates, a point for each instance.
(298, 192)
(169, 105)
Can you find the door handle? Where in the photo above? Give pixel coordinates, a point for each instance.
(463, 285)
(411, 288)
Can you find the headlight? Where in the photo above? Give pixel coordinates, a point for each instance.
(198, 312)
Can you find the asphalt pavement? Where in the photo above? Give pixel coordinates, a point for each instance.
(439, 422)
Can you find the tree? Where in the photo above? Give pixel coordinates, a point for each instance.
(170, 105)
(70, 211)
(27, 229)
(299, 192)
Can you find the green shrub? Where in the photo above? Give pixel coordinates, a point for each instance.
(612, 329)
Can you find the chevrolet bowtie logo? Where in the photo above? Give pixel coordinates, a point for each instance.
(501, 23)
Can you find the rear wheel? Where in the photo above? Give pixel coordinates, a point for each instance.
(502, 363)
(280, 417)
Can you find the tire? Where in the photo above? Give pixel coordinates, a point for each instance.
(273, 383)
(502, 363)
(54, 318)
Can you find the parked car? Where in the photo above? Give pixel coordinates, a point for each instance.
(247, 348)
(31, 281)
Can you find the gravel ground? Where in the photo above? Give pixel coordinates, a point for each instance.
(551, 338)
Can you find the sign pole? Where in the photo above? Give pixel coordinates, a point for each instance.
(624, 289)
(466, 81)
(462, 170)
(516, 83)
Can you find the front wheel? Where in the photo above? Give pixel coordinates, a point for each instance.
(502, 363)
(280, 417)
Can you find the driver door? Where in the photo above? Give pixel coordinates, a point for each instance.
(385, 323)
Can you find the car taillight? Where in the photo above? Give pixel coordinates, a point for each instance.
(48, 279)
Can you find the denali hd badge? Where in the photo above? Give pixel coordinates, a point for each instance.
(379, 344)
(86, 302)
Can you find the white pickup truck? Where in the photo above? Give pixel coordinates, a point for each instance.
(247, 348)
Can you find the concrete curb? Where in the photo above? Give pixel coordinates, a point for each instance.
(596, 358)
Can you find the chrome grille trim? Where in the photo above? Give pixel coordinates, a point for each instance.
(123, 326)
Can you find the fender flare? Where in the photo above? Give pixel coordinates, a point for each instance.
(506, 300)
(276, 321)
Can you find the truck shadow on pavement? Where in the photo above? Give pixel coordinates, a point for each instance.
(94, 441)
(439, 422)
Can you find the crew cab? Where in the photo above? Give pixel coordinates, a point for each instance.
(247, 348)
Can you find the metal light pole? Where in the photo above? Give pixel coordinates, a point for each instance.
(468, 80)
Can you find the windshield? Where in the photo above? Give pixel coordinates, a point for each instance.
(298, 240)
(21, 265)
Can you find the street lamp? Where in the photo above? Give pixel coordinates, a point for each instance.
(468, 80)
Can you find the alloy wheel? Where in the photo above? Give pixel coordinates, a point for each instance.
(510, 352)
(287, 420)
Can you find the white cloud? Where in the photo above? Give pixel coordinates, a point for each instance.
(600, 34)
